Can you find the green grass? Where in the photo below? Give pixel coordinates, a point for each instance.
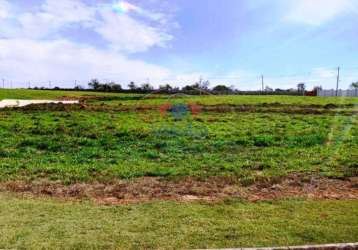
(135, 99)
(47, 94)
(48, 224)
(84, 146)
(233, 100)
(76, 146)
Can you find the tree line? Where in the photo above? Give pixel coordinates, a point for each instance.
(199, 88)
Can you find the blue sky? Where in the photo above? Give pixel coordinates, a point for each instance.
(229, 42)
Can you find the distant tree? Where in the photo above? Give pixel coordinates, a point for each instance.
(146, 87)
(165, 88)
(94, 84)
(199, 87)
(175, 89)
(103, 87)
(203, 84)
(115, 86)
(191, 88)
(77, 87)
(222, 89)
(301, 87)
(132, 86)
(354, 85)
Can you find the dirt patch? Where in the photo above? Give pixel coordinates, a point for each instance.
(46, 107)
(274, 108)
(83, 105)
(213, 189)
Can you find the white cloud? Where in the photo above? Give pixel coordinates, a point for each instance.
(122, 31)
(125, 7)
(69, 11)
(316, 12)
(130, 35)
(65, 61)
(33, 47)
(4, 9)
(52, 17)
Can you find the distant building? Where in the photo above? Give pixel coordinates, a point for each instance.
(340, 92)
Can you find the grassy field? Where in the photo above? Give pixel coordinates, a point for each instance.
(46, 224)
(45, 94)
(97, 143)
(136, 99)
(83, 146)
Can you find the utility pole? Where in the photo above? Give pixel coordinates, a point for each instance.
(75, 83)
(29, 85)
(262, 83)
(338, 74)
(49, 84)
(3, 83)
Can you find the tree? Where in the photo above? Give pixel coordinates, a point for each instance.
(94, 83)
(301, 87)
(222, 89)
(199, 87)
(203, 84)
(132, 86)
(78, 87)
(114, 86)
(104, 87)
(165, 88)
(146, 87)
(354, 85)
(190, 87)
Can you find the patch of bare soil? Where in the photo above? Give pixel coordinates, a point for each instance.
(83, 105)
(213, 189)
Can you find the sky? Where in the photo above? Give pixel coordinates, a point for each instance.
(230, 42)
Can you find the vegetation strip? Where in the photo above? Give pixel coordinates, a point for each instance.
(212, 189)
(259, 108)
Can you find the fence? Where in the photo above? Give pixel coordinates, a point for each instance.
(340, 92)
